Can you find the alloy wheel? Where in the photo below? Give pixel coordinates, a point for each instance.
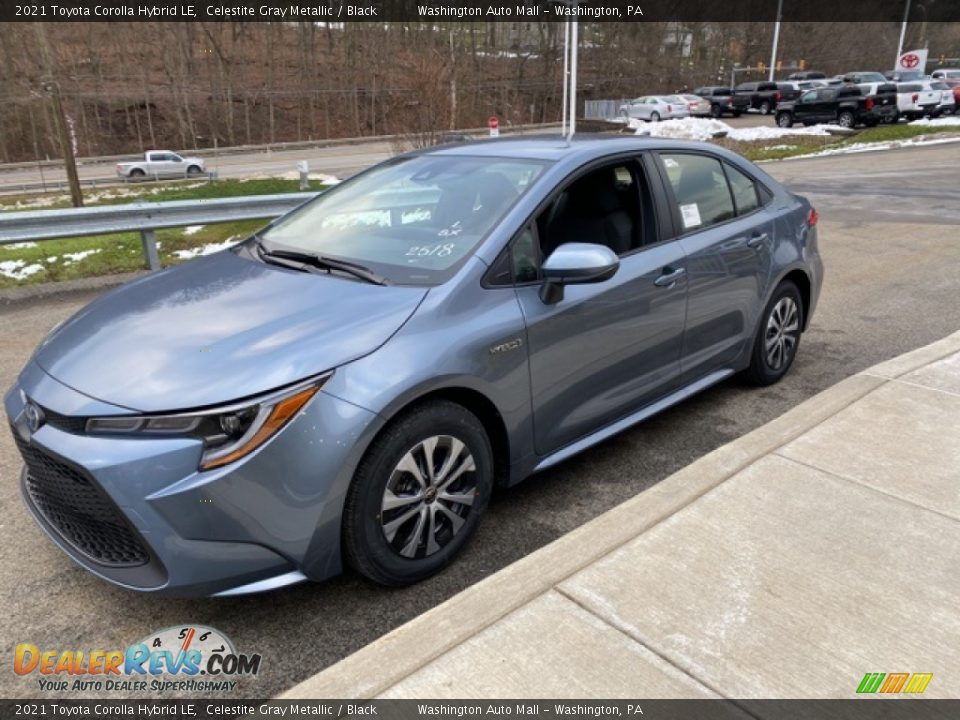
(782, 333)
(428, 496)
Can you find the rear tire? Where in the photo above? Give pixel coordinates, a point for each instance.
(846, 119)
(778, 336)
(401, 523)
(137, 174)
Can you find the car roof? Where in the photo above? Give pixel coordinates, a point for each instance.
(582, 147)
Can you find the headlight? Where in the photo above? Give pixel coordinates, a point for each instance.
(228, 434)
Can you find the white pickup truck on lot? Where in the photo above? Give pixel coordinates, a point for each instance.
(161, 164)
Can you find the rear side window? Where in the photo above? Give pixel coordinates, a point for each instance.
(744, 190)
(700, 190)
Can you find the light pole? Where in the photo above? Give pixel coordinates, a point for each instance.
(569, 70)
(903, 34)
(776, 40)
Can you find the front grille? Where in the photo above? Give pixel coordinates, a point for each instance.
(80, 512)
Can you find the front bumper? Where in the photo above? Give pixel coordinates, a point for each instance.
(270, 519)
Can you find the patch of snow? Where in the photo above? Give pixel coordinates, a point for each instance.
(53, 258)
(874, 146)
(193, 229)
(322, 178)
(78, 256)
(207, 249)
(938, 122)
(18, 269)
(19, 246)
(693, 128)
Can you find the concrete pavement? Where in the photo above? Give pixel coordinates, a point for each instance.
(786, 564)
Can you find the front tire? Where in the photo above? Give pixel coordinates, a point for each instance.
(194, 170)
(418, 494)
(764, 108)
(778, 337)
(654, 117)
(715, 111)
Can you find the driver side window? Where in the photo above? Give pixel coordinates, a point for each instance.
(611, 206)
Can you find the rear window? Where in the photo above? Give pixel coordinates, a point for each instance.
(744, 190)
(700, 190)
(939, 86)
(910, 87)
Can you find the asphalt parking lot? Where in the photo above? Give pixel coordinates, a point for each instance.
(889, 238)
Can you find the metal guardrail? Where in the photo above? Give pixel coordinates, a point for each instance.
(142, 217)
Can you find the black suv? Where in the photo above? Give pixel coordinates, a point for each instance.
(762, 96)
(723, 100)
(846, 105)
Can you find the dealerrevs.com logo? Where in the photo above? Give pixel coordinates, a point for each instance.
(191, 658)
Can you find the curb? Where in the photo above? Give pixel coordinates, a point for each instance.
(373, 669)
(42, 291)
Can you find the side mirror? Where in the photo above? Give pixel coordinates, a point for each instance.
(574, 264)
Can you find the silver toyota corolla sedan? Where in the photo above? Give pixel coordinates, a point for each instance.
(346, 386)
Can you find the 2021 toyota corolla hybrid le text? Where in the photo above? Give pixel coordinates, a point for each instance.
(347, 385)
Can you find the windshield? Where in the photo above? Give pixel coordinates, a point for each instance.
(413, 220)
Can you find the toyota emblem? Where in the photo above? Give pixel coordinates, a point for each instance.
(34, 416)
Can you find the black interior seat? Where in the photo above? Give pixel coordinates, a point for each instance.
(591, 211)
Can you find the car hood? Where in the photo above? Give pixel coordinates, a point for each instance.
(218, 329)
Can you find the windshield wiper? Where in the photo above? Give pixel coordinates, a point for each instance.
(323, 263)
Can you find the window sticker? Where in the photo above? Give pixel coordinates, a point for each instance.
(691, 215)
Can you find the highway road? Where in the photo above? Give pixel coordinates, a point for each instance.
(339, 160)
(888, 236)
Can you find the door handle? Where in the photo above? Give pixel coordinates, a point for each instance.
(756, 240)
(669, 277)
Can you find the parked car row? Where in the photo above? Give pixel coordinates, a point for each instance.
(853, 98)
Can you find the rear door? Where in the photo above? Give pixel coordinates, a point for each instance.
(609, 348)
(726, 233)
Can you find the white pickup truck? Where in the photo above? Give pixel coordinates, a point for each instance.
(158, 164)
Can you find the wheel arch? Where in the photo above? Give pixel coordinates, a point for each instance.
(799, 277)
(478, 403)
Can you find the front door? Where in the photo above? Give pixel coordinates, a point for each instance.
(609, 348)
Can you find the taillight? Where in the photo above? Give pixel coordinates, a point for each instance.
(812, 217)
(916, 96)
(669, 108)
(869, 103)
(776, 98)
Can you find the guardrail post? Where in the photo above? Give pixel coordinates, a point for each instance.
(148, 238)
